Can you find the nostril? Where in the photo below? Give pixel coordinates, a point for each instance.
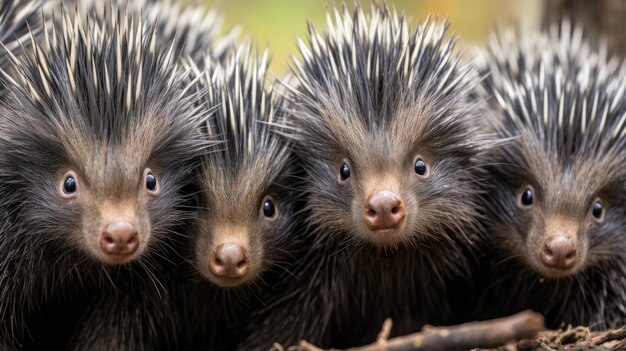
(371, 213)
(109, 240)
(394, 210)
(548, 252)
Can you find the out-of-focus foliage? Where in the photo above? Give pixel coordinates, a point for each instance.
(275, 23)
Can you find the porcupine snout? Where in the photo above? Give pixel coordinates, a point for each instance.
(230, 261)
(119, 238)
(559, 246)
(384, 210)
(559, 251)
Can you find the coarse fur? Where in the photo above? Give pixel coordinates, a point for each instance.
(253, 166)
(557, 92)
(102, 103)
(373, 94)
(192, 29)
(16, 17)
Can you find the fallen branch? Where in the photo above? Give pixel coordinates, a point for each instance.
(484, 334)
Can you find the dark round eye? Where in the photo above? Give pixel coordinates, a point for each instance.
(344, 171)
(151, 182)
(597, 210)
(420, 167)
(527, 197)
(269, 210)
(69, 185)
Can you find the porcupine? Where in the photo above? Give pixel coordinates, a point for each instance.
(98, 138)
(558, 195)
(245, 235)
(383, 122)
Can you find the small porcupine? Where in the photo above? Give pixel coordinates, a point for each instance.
(245, 234)
(384, 125)
(191, 29)
(99, 134)
(558, 196)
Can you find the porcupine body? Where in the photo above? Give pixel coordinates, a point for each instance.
(98, 139)
(384, 125)
(558, 198)
(245, 235)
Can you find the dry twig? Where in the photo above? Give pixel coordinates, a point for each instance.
(484, 334)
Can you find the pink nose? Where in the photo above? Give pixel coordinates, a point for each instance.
(384, 210)
(119, 238)
(229, 261)
(559, 252)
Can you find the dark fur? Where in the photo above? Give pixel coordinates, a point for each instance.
(16, 17)
(360, 98)
(192, 29)
(72, 105)
(254, 162)
(569, 164)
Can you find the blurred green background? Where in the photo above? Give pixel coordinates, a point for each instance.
(275, 23)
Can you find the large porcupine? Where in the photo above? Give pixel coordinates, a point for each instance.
(191, 29)
(558, 214)
(384, 125)
(99, 133)
(245, 234)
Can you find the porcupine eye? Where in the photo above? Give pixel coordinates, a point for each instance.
(527, 197)
(344, 171)
(420, 167)
(69, 185)
(598, 210)
(151, 181)
(268, 207)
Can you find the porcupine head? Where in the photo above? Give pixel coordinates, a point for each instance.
(100, 132)
(245, 188)
(559, 188)
(384, 124)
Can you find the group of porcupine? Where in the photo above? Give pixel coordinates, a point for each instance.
(157, 192)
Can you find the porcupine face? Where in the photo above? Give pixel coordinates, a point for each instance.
(560, 190)
(383, 120)
(246, 188)
(562, 215)
(100, 135)
(242, 232)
